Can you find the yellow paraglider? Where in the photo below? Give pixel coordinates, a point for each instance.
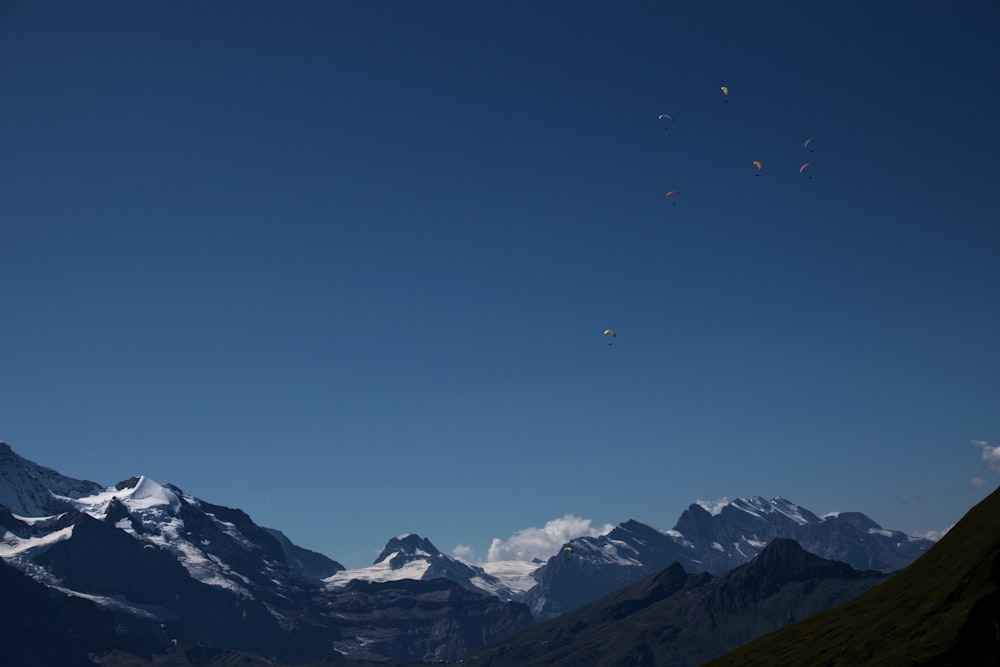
(610, 332)
(725, 93)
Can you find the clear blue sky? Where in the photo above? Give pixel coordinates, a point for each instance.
(347, 265)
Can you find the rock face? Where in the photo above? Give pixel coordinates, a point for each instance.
(705, 542)
(419, 621)
(309, 564)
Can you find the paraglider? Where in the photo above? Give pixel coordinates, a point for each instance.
(610, 332)
(725, 93)
(759, 165)
(808, 141)
(671, 194)
(568, 549)
(806, 165)
(668, 117)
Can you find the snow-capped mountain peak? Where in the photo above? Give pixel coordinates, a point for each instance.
(32, 490)
(137, 494)
(173, 565)
(410, 556)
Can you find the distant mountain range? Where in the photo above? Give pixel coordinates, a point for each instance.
(713, 543)
(169, 566)
(789, 608)
(680, 619)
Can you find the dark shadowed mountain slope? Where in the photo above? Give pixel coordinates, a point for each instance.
(418, 621)
(680, 619)
(943, 610)
(40, 627)
(304, 562)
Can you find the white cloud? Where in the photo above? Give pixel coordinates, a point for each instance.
(991, 455)
(977, 482)
(713, 506)
(936, 534)
(529, 543)
(464, 552)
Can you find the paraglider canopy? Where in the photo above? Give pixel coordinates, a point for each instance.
(610, 332)
(804, 166)
(759, 165)
(808, 141)
(725, 93)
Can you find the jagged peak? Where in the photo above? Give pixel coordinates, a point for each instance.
(781, 549)
(409, 544)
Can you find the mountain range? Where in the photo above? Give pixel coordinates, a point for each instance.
(172, 567)
(682, 619)
(715, 543)
(169, 566)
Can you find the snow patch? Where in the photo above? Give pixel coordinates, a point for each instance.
(678, 537)
(11, 545)
(515, 575)
(379, 572)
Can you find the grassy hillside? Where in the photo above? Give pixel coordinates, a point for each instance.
(944, 609)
